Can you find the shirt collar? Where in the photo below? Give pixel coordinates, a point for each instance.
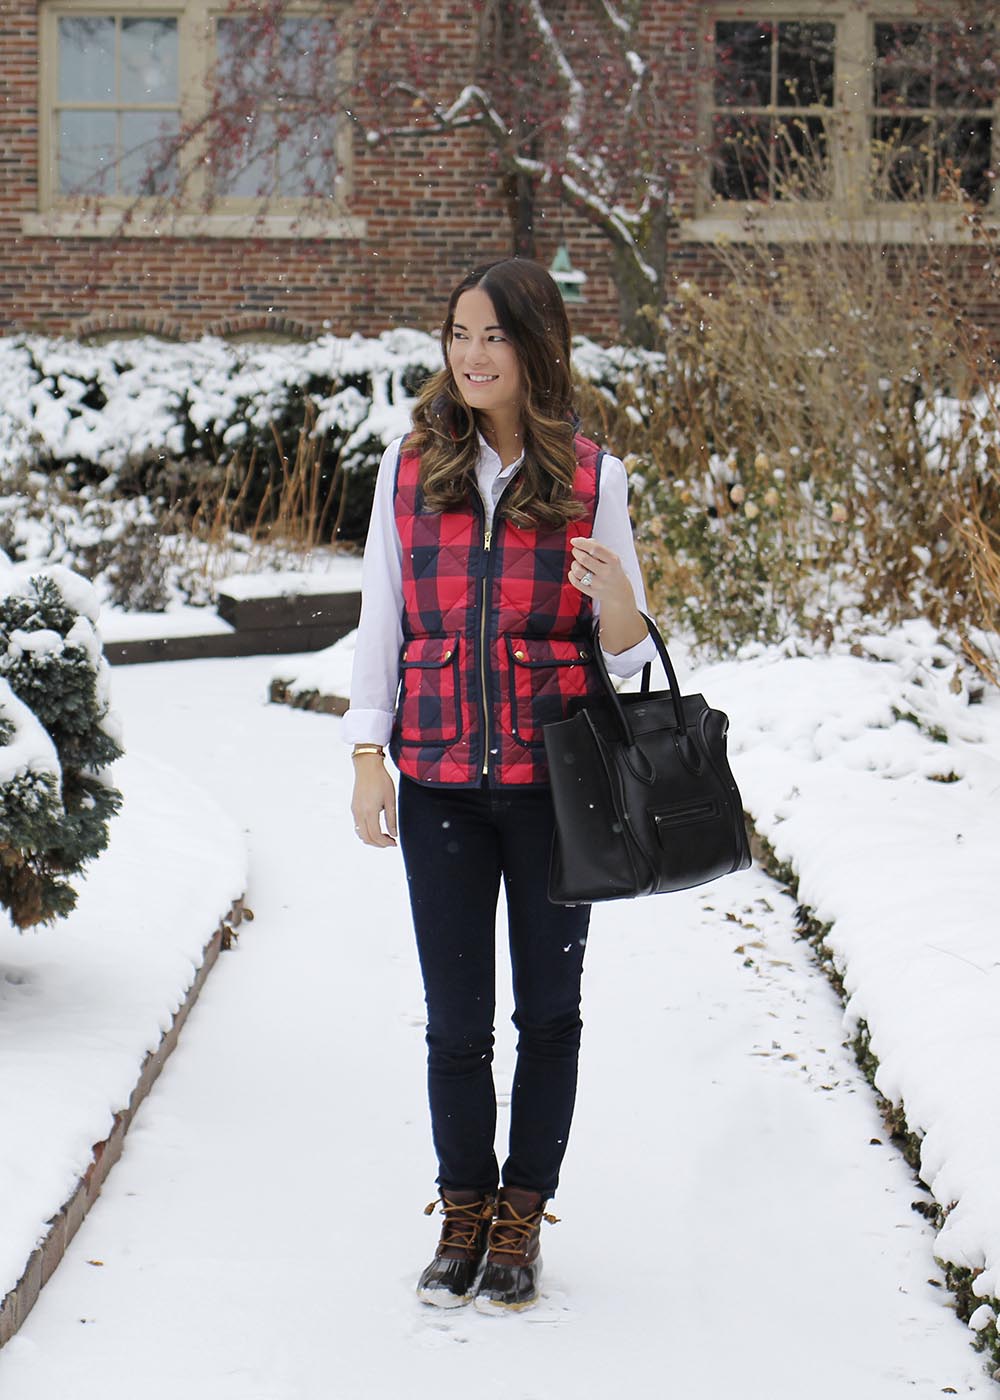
(489, 458)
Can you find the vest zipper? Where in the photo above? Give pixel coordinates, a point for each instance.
(483, 600)
(487, 540)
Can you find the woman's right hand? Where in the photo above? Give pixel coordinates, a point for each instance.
(374, 794)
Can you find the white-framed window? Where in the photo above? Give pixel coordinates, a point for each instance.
(284, 146)
(874, 112)
(120, 79)
(933, 95)
(773, 95)
(116, 104)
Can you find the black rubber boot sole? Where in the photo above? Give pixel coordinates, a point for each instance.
(507, 1288)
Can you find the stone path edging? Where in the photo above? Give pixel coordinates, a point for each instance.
(44, 1259)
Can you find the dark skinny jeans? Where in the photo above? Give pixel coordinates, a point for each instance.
(457, 843)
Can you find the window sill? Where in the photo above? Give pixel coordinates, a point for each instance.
(70, 223)
(747, 224)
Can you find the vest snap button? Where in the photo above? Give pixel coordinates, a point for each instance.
(519, 655)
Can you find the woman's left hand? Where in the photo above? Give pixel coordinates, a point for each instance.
(597, 571)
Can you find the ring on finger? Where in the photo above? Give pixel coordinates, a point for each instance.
(587, 579)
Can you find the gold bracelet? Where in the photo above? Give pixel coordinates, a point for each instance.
(368, 748)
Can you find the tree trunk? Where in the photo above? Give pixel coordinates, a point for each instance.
(640, 302)
(523, 215)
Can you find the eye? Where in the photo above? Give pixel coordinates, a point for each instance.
(501, 339)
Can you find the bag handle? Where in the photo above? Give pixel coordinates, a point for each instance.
(668, 666)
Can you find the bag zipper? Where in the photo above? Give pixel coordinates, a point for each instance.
(687, 812)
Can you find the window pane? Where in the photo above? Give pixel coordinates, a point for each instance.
(966, 67)
(149, 158)
(307, 159)
(86, 152)
(149, 60)
(742, 155)
(305, 57)
(743, 63)
(298, 59)
(801, 165)
(903, 65)
(238, 55)
(805, 64)
(86, 59)
(249, 172)
(963, 156)
(902, 157)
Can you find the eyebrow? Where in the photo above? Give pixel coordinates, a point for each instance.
(460, 326)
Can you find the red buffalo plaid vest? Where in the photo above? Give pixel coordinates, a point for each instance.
(496, 640)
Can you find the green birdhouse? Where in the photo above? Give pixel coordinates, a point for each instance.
(566, 277)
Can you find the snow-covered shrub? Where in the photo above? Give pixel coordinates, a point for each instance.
(115, 542)
(211, 428)
(57, 738)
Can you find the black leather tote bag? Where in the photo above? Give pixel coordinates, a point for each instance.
(644, 798)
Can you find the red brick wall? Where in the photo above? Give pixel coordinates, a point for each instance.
(425, 226)
(432, 210)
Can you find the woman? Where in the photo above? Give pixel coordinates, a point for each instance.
(497, 535)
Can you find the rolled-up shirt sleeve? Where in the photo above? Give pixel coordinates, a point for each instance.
(613, 528)
(375, 677)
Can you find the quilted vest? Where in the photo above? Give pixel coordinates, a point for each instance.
(496, 640)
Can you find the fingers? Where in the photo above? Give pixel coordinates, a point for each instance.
(370, 831)
(595, 568)
(390, 817)
(367, 808)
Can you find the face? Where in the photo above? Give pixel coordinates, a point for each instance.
(481, 357)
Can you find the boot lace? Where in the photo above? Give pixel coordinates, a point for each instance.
(512, 1233)
(462, 1222)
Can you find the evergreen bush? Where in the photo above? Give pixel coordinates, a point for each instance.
(57, 739)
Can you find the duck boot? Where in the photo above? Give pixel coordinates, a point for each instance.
(449, 1278)
(513, 1261)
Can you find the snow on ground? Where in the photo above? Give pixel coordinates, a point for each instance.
(332, 573)
(179, 620)
(327, 672)
(730, 1230)
(83, 1001)
(879, 784)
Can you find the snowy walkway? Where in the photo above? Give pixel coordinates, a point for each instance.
(743, 1240)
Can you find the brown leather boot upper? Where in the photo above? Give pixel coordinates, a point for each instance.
(467, 1216)
(513, 1238)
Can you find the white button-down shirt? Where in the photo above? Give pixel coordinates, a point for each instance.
(375, 678)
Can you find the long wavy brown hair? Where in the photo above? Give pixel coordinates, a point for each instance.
(530, 311)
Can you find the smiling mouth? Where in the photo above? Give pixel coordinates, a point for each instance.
(482, 378)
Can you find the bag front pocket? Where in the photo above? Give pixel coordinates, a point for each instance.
(428, 711)
(543, 675)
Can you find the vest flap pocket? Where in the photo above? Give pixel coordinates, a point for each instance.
(548, 651)
(429, 711)
(543, 675)
(429, 651)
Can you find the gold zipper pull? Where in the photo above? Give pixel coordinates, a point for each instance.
(487, 539)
